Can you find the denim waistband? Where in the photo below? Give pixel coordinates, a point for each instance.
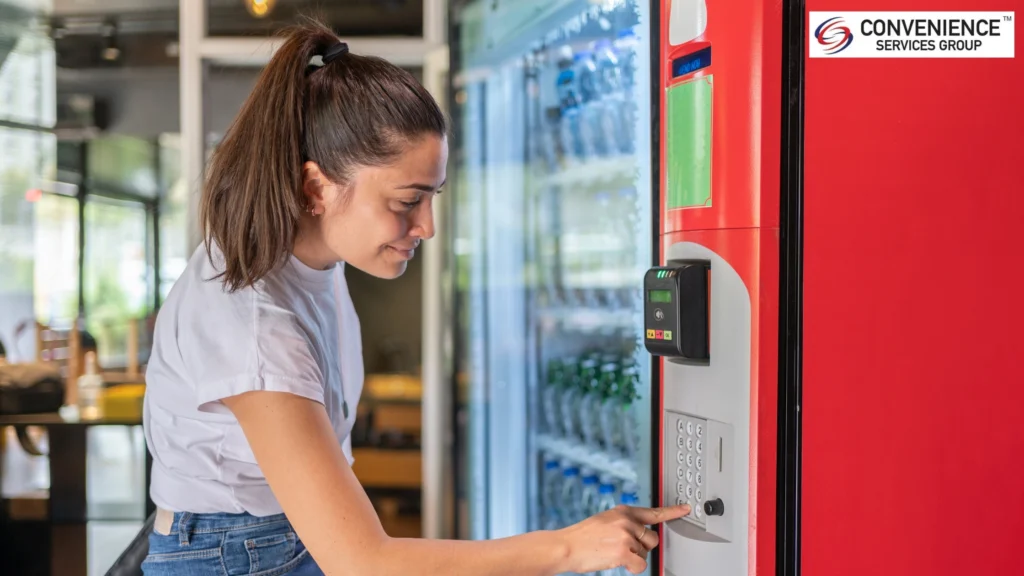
(187, 523)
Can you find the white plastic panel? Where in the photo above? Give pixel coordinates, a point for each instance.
(718, 393)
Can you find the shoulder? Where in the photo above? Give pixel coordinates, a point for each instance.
(232, 327)
(230, 342)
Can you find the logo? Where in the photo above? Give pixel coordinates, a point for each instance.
(833, 35)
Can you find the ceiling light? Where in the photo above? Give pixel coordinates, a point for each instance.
(260, 8)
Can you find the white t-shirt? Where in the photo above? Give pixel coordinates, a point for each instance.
(296, 331)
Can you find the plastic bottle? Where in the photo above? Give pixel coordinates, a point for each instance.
(570, 492)
(589, 493)
(90, 387)
(590, 403)
(608, 119)
(551, 396)
(605, 495)
(568, 103)
(630, 426)
(551, 482)
(626, 45)
(590, 136)
(570, 401)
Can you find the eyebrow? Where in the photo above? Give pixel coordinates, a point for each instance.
(422, 187)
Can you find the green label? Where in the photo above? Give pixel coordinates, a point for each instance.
(688, 145)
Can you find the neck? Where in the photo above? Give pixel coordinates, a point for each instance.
(313, 254)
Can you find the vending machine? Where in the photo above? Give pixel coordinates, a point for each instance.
(711, 304)
(551, 223)
(691, 264)
(831, 310)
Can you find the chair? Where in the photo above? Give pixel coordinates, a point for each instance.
(129, 563)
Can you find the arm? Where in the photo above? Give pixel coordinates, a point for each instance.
(296, 448)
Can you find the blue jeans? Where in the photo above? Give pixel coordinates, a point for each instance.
(228, 545)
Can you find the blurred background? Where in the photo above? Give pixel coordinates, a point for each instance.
(507, 387)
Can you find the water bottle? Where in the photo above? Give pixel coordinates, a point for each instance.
(569, 494)
(608, 411)
(605, 495)
(551, 482)
(608, 119)
(570, 401)
(590, 403)
(590, 101)
(568, 103)
(589, 493)
(90, 389)
(551, 396)
(626, 45)
(630, 426)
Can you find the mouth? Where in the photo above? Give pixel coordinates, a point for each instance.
(405, 254)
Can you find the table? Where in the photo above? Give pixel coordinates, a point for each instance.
(67, 506)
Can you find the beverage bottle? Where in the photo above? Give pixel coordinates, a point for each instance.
(569, 494)
(570, 401)
(590, 403)
(589, 93)
(551, 396)
(550, 492)
(611, 420)
(90, 387)
(568, 103)
(589, 493)
(630, 426)
(626, 45)
(608, 119)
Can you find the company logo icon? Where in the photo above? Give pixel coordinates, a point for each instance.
(833, 35)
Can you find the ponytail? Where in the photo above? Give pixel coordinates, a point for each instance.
(350, 110)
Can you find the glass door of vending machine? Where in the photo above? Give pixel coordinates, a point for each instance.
(550, 225)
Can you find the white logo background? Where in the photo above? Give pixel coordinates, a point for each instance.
(914, 44)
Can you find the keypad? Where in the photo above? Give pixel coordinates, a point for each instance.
(689, 443)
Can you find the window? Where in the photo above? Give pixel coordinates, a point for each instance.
(117, 274)
(56, 259)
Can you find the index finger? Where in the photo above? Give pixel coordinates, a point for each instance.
(659, 515)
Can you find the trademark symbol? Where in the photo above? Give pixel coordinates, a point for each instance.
(1008, 18)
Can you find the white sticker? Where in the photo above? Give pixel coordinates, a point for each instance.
(911, 35)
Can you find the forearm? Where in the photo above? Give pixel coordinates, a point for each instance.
(536, 553)
(294, 443)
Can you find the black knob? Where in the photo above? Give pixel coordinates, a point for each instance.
(714, 507)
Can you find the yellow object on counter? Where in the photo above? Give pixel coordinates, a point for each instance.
(393, 387)
(123, 402)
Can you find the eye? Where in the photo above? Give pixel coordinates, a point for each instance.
(410, 205)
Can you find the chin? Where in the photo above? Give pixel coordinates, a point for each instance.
(387, 271)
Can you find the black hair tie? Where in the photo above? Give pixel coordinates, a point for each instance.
(334, 52)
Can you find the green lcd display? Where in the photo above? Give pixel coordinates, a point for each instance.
(663, 296)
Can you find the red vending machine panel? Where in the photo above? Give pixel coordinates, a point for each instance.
(716, 290)
(913, 388)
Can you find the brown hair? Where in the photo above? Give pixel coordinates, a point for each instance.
(353, 111)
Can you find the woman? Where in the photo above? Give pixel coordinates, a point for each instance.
(256, 368)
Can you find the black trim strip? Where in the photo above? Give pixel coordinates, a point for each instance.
(790, 292)
(654, 9)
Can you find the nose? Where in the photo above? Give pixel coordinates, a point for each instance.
(423, 225)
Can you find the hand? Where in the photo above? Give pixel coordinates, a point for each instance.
(617, 537)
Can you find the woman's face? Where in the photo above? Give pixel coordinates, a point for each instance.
(375, 221)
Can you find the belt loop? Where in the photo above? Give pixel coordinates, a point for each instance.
(184, 528)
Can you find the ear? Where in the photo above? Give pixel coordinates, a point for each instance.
(313, 184)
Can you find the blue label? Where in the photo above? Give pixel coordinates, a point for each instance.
(691, 62)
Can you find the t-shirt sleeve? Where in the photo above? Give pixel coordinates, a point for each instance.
(243, 342)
